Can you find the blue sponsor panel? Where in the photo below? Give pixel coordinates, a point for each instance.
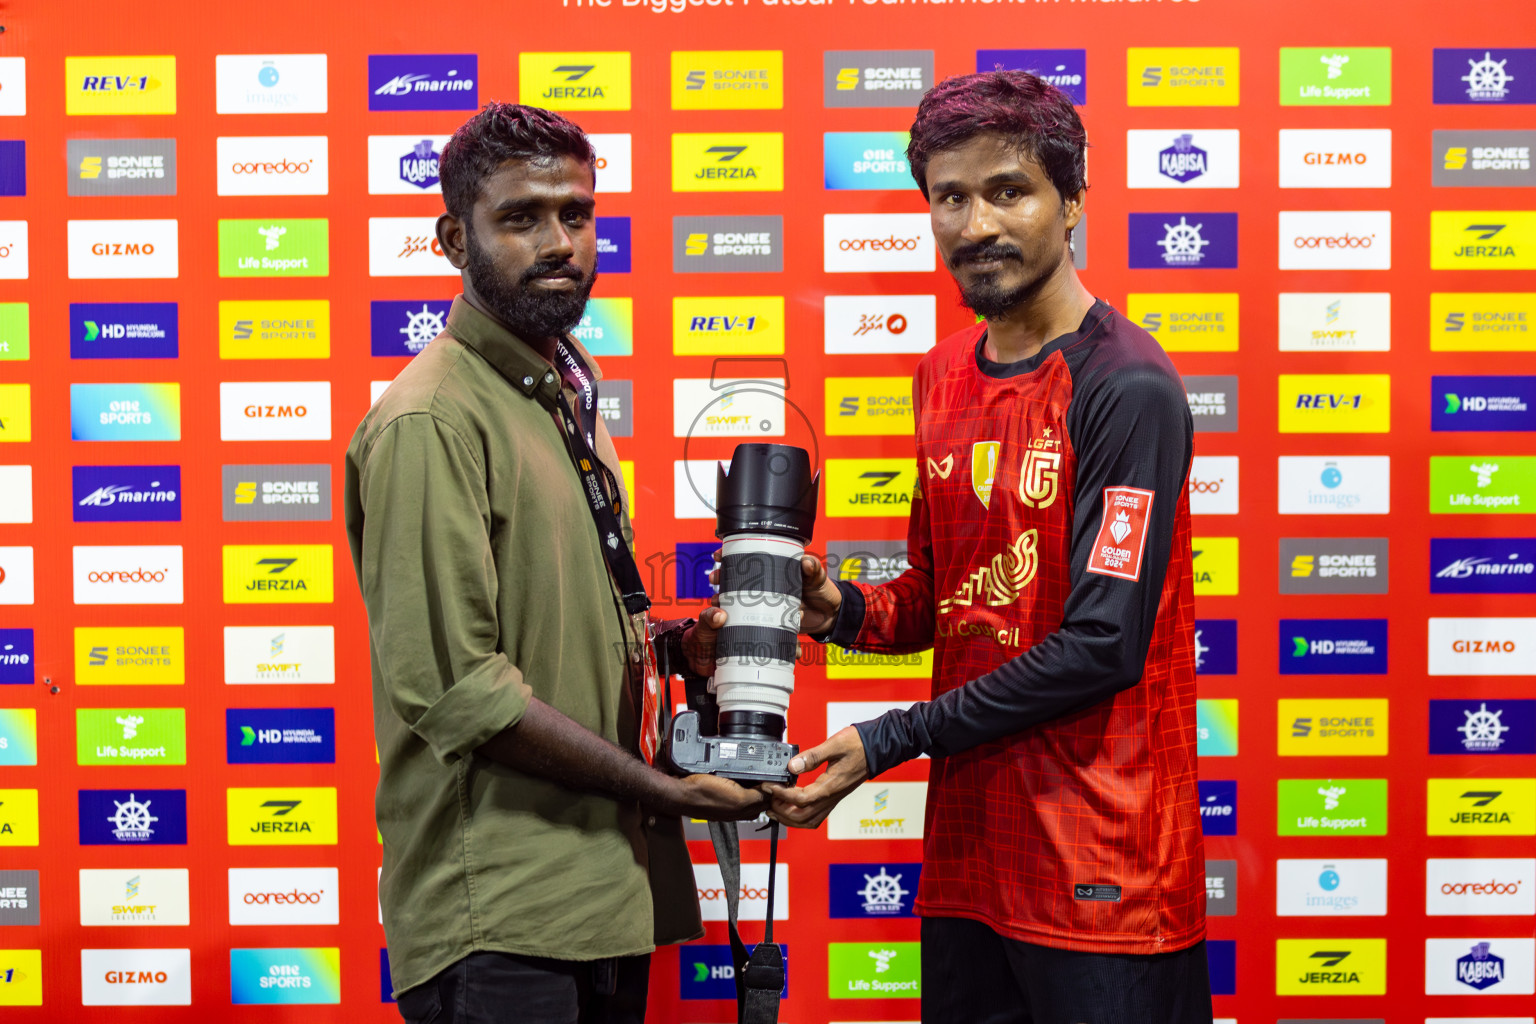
(423, 81)
(613, 245)
(1333, 647)
(405, 328)
(706, 972)
(127, 494)
(386, 984)
(1218, 807)
(1183, 241)
(13, 167)
(872, 890)
(1484, 75)
(1216, 647)
(133, 817)
(123, 330)
(1482, 726)
(17, 655)
(1067, 70)
(280, 735)
(1221, 957)
(695, 561)
(1482, 565)
(865, 161)
(1483, 403)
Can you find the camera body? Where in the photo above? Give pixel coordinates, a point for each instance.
(746, 760)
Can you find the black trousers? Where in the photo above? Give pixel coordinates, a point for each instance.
(972, 975)
(501, 988)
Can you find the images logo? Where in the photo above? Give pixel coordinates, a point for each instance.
(1485, 75)
(1216, 647)
(1330, 966)
(734, 326)
(1336, 240)
(1310, 565)
(405, 328)
(883, 970)
(865, 160)
(1329, 158)
(870, 487)
(1473, 727)
(1482, 240)
(1204, 158)
(1215, 561)
(1187, 322)
(876, 242)
(1332, 888)
(279, 654)
(404, 165)
(1216, 728)
(1482, 321)
(105, 249)
(280, 735)
(1332, 727)
(1480, 887)
(727, 79)
(275, 248)
(295, 816)
(877, 891)
(1218, 807)
(275, 410)
(1491, 484)
(123, 330)
(130, 655)
(706, 972)
(1067, 70)
(16, 657)
(285, 976)
(150, 574)
(274, 165)
(731, 244)
(426, 81)
(574, 81)
(280, 83)
(875, 78)
(1347, 807)
(1482, 807)
(119, 85)
(280, 493)
(1356, 76)
(1480, 647)
(1199, 241)
(1477, 565)
(121, 167)
(112, 817)
(1335, 321)
(1333, 647)
(880, 323)
(1184, 76)
(869, 406)
(1346, 485)
(728, 162)
(1335, 403)
(285, 574)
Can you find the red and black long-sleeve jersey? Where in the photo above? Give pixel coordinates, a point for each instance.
(1050, 570)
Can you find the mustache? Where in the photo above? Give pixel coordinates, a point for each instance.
(550, 268)
(978, 251)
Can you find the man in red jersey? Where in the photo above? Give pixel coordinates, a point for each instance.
(1063, 872)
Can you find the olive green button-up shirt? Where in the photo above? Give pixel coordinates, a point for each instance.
(485, 586)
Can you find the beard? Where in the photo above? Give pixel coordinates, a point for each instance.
(529, 312)
(986, 296)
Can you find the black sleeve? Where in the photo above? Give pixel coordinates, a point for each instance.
(1129, 429)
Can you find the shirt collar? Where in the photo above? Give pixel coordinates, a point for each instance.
(523, 368)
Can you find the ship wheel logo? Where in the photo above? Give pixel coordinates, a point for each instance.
(1487, 78)
(133, 819)
(883, 893)
(1483, 729)
(1182, 244)
(422, 327)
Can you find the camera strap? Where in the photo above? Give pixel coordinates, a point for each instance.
(760, 974)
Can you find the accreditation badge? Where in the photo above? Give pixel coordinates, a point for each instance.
(650, 699)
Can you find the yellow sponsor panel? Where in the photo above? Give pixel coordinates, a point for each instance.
(627, 467)
(119, 85)
(278, 574)
(574, 81)
(1482, 807)
(292, 329)
(870, 405)
(1215, 566)
(130, 656)
(1330, 967)
(1181, 76)
(728, 162)
(727, 79)
(15, 412)
(1335, 403)
(1330, 727)
(1482, 322)
(751, 325)
(1186, 321)
(21, 977)
(870, 487)
(282, 816)
(843, 664)
(1482, 239)
(18, 817)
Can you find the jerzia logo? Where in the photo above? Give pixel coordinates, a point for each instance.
(575, 81)
(728, 162)
(293, 573)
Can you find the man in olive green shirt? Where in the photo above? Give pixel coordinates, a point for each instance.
(531, 858)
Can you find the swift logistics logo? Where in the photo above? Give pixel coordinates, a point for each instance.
(126, 897)
(119, 85)
(880, 970)
(875, 78)
(287, 977)
(728, 325)
(728, 162)
(869, 406)
(1332, 727)
(877, 242)
(121, 167)
(274, 165)
(405, 165)
(727, 407)
(607, 326)
(872, 324)
(1359, 403)
(1331, 967)
(1334, 807)
(1216, 728)
(289, 247)
(13, 167)
(880, 810)
(1481, 807)
(1345, 565)
(1482, 321)
(18, 817)
(144, 574)
(126, 494)
(276, 493)
(268, 896)
(1335, 158)
(123, 330)
(1335, 240)
(278, 574)
(1481, 647)
(1218, 807)
(130, 655)
(574, 81)
(727, 79)
(123, 736)
(136, 817)
(1327, 647)
(279, 654)
(1187, 321)
(275, 410)
(18, 743)
(1478, 887)
(1482, 240)
(1215, 566)
(1485, 75)
(1483, 159)
(870, 487)
(865, 161)
(1335, 321)
(1184, 241)
(1182, 159)
(1182, 76)
(1067, 70)
(290, 816)
(1493, 484)
(1483, 403)
(271, 83)
(1331, 888)
(1216, 647)
(1482, 565)
(125, 412)
(728, 244)
(405, 328)
(1353, 76)
(1344, 485)
(706, 972)
(872, 891)
(17, 657)
(120, 249)
(1212, 403)
(280, 735)
(282, 329)
(1482, 726)
(423, 81)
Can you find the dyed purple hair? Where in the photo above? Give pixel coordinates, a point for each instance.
(502, 132)
(1023, 108)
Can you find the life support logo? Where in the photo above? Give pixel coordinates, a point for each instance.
(1122, 537)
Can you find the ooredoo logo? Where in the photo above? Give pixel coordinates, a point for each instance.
(1213, 485)
(888, 244)
(148, 574)
(275, 411)
(855, 242)
(752, 894)
(267, 896)
(1493, 886)
(1336, 240)
(279, 165)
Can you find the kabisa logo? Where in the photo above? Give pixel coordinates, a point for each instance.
(1483, 403)
(1067, 70)
(875, 78)
(271, 83)
(1475, 727)
(574, 81)
(429, 81)
(859, 970)
(1333, 646)
(706, 972)
(865, 161)
(872, 890)
(1485, 75)
(1482, 565)
(729, 244)
(727, 79)
(405, 328)
(16, 657)
(130, 655)
(1201, 241)
(1334, 566)
(1480, 968)
(1187, 322)
(419, 167)
(1216, 647)
(1332, 807)
(405, 165)
(1495, 807)
(280, 735)
(1483, 159)
(1330, 966)
(288, 493)
(121, 167)
(120, 85)
(727, 162)
(297, 816)
(1218, 807)
(1344, 76)
(1183, 161)
(1181, 76)
(123, 330)
(1347, 485)
(127, 494)
(112, 817)
(1488, 484)
(291, 573)
(1482, 239)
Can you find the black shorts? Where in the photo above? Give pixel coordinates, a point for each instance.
(972, 975)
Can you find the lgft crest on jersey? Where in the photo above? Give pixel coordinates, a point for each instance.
(984, 469)
(1040, 472)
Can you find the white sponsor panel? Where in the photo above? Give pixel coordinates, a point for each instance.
(693, 488)
(1331, 888)
(1181, 158)
(702, 407)
(615, 161)
(1335, 321)
(118, 897)
(13, 86)
(284, 896)
(1213, 485)
(279, 654)
(136, 977)
(877, 242)
(282, 410)
(880, 810)
(1335, 158)
(858, 324)
(1480, 886)
(1480, 966)
(1482, 647)
(271, 83)
(406, 247)
(843, 713)
(274, 165)
(1312, 485)
(15, 252)
(1335, 240)
(376, 389)
(404, 165)
(128, 574)
(16, 575)
(752, 897)
(106, 249)
(1480, 1020)
(15, 494)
